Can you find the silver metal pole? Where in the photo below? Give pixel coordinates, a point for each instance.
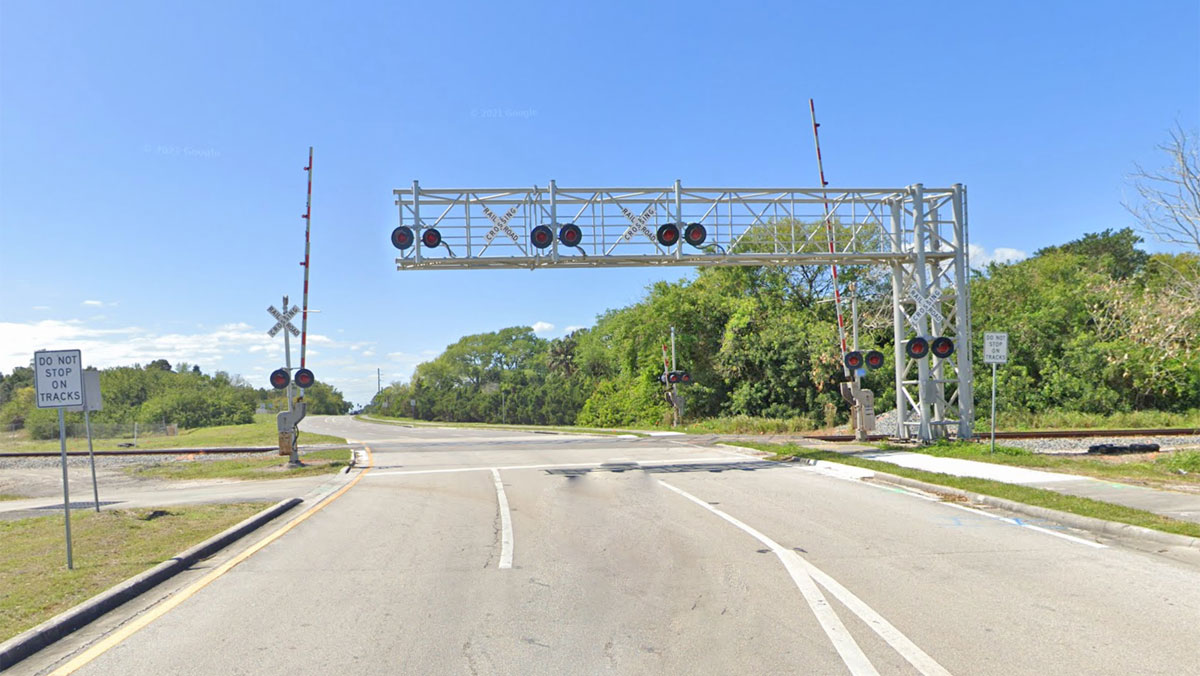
(898, 327)
(62, 443)
(294, 457)
(993, 408)
(673, 348)
(87, 421)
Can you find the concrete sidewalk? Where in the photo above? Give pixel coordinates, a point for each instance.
(1173, 504)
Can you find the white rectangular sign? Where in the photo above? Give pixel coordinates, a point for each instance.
(58, 378)
(995, 348)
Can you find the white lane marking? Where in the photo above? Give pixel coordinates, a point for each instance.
(597, 464)
(506, 533)
(842, 641)
(799, 567)
(1018, 522)
(912, 492)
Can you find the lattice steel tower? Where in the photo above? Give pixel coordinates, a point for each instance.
(918, 233)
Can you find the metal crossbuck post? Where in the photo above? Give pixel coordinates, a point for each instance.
(918, 233)
(287, 419)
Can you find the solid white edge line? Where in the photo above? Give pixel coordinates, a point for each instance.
(909, 492)
(852, 655)
(1016, 522)
(506, 533)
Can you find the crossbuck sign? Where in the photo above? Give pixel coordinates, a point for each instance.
(283, 320)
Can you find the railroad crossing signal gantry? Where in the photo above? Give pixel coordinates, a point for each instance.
(918, 233)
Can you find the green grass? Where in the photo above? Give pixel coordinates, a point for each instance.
(1019, 421)
(1030, 496)
(108, 548)
(568, 429)
(261, 432)
(10, 496)
(251, 468)
(1163, 470)
(744, 424)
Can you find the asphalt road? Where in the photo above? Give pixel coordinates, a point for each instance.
(486, 552)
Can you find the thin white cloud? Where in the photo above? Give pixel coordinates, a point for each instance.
(573, 328)
(94, 303)
(981, 257)
(542, 327)
(41, 307)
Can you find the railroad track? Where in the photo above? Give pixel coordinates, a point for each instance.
(1043, 434)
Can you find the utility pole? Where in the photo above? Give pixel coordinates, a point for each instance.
(378, 381)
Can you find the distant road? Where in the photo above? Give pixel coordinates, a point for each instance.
(495, 552)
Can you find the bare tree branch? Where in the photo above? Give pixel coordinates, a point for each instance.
(1169, 209)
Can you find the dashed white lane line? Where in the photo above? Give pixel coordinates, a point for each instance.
(506, 532)
(803, 574)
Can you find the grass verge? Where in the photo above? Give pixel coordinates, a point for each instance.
(1159, 469)
(1030, 496)
(10, 496)
(108, 548)
(270, 467)
(261, 432)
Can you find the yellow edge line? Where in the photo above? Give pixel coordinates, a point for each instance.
(163, 608)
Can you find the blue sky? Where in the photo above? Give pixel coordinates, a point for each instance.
(151, 153)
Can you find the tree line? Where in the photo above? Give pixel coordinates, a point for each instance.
(157, 393)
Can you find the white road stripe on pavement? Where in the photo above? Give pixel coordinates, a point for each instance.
(506, 533)
(843, 642)
(1018, 522)
(802, 571)
(643, 463)
(933, 498)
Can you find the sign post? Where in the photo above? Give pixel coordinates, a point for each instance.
(91, 402)
(59, 383)
(995, 351)
(287, 418)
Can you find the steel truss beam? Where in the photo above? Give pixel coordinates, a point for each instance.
(919, 233)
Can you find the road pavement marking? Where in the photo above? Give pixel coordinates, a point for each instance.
(843, 642)
(140, 622)
(1019, 522)
(598, 463)
(506, 536)
(803, 572)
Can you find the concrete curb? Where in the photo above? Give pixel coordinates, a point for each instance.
(1087, 523)
(25, 644)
